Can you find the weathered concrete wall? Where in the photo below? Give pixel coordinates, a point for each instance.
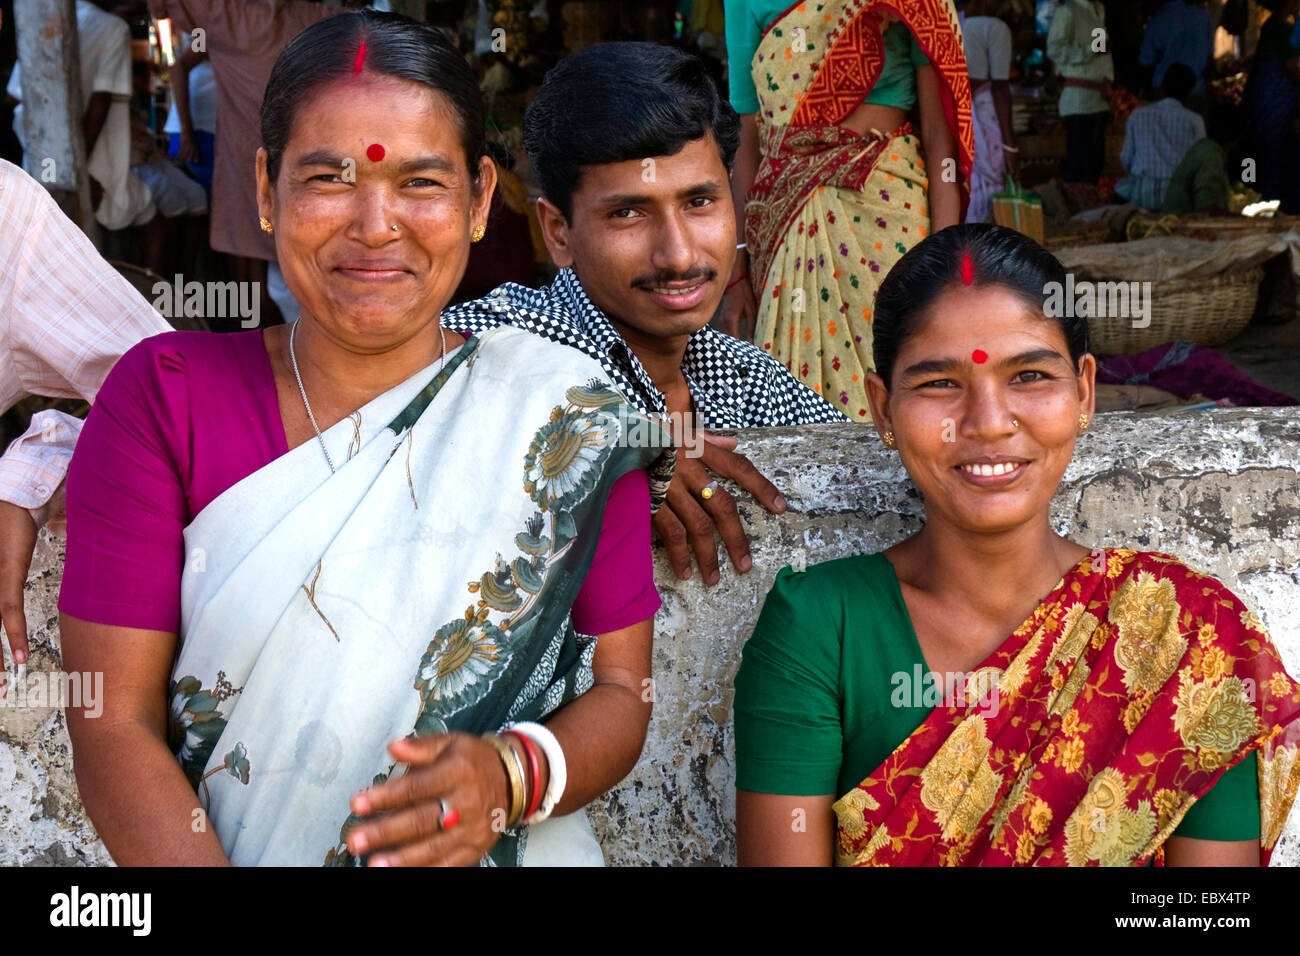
(1220, 489)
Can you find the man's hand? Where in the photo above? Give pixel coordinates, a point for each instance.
(56, 517)
(739, 311)
(402, 829)
(187, 151)
(17, 541)
(686, 522)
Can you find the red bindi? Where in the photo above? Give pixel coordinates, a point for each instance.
(360, 61)
(374, 152)
(967, 269)
(979, 356)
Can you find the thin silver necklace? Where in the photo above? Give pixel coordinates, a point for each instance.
(442, 334)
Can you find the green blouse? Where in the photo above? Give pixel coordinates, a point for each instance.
(815, 703)
(746, 22)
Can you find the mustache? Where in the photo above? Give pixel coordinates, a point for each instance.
(664, 276)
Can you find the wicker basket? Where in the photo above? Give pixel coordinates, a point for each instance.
(1143, 225)
(1075, 234)
(1204, 312)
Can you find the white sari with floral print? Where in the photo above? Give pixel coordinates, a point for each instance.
(423, 587)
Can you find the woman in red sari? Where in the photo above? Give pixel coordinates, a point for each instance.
(987, 692)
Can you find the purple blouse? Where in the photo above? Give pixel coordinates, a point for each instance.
(185, 415)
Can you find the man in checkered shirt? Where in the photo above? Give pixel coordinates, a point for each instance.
(733, 383)
(633, 147)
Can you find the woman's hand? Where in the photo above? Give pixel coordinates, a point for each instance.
(187, 151)
(941, 160)
(17, 541)
(739, 310)
(462, 769)
(1013, 163)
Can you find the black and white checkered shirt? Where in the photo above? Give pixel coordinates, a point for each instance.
(734, 384)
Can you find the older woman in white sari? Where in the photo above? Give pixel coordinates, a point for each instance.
(338, 575)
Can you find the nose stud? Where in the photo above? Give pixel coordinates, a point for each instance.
(393, 227)
(1015, 423)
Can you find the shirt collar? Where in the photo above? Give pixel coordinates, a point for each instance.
(711, 360)
(591, 321)
(602, 336)
(711, 371)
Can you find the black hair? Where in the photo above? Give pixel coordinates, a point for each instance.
(1225, 123)
(1179, 81)
(382, 43)
(618, 101)
(998, 256)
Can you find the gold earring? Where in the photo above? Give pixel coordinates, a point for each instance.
(889, 440)
(479, 233)
(265, 224)
(1083, 423)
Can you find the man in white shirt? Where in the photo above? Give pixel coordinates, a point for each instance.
(120, 198)
(1079, 47)
(192, 121)
(66, 317)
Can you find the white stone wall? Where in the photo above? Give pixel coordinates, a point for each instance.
(1220, 489)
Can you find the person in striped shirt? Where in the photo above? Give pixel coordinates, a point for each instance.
(1156, 139)
(66, 317)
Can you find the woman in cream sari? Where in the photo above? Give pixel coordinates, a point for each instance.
(832, 183)
(987, 692)
(337, 574)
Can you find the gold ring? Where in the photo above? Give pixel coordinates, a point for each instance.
(708, 490)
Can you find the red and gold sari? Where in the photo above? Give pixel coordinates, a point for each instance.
(831, 211)
(1121, 701)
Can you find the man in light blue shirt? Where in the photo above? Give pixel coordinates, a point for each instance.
(1180, 32)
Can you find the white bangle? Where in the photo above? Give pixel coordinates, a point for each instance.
(559, 775)
(1011, 149)
(742, 245)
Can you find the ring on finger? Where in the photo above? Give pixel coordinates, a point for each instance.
(709, 490)
(448, 818)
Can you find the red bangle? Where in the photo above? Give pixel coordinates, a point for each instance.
(736, 282)
(534, 770)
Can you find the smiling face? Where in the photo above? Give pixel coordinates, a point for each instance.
(365, 153)
(979, 361)
(653, 240)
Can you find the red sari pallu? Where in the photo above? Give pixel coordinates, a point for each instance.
(1122, 699)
